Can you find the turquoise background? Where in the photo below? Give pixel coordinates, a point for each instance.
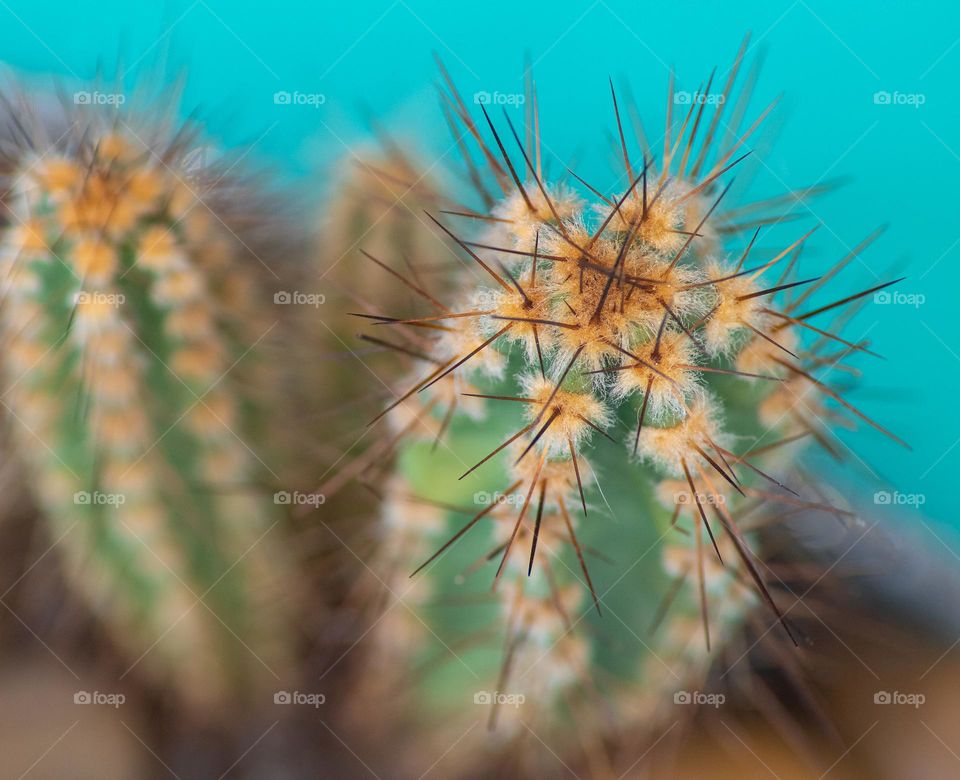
(827, 58)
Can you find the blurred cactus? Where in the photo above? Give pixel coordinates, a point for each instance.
(376, 203)
(622, 355)
(374, 197)
(130, 326)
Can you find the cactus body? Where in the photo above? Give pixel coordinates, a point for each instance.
(632, 378)
(125, 317)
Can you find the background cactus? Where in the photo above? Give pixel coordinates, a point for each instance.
(626, 377)
(375, 201)
(132, 318)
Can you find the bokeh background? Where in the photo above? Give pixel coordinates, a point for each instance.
(869, 96)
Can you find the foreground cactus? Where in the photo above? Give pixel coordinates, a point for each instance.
(130, 329)
(625, 379)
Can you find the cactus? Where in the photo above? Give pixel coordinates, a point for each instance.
(376, 201)
(130, 326)
(376, 205)
(621, 381)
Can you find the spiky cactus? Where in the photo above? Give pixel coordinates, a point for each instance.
(130, 330)
(623, 380)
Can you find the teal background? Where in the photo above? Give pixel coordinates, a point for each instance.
(827, 58)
